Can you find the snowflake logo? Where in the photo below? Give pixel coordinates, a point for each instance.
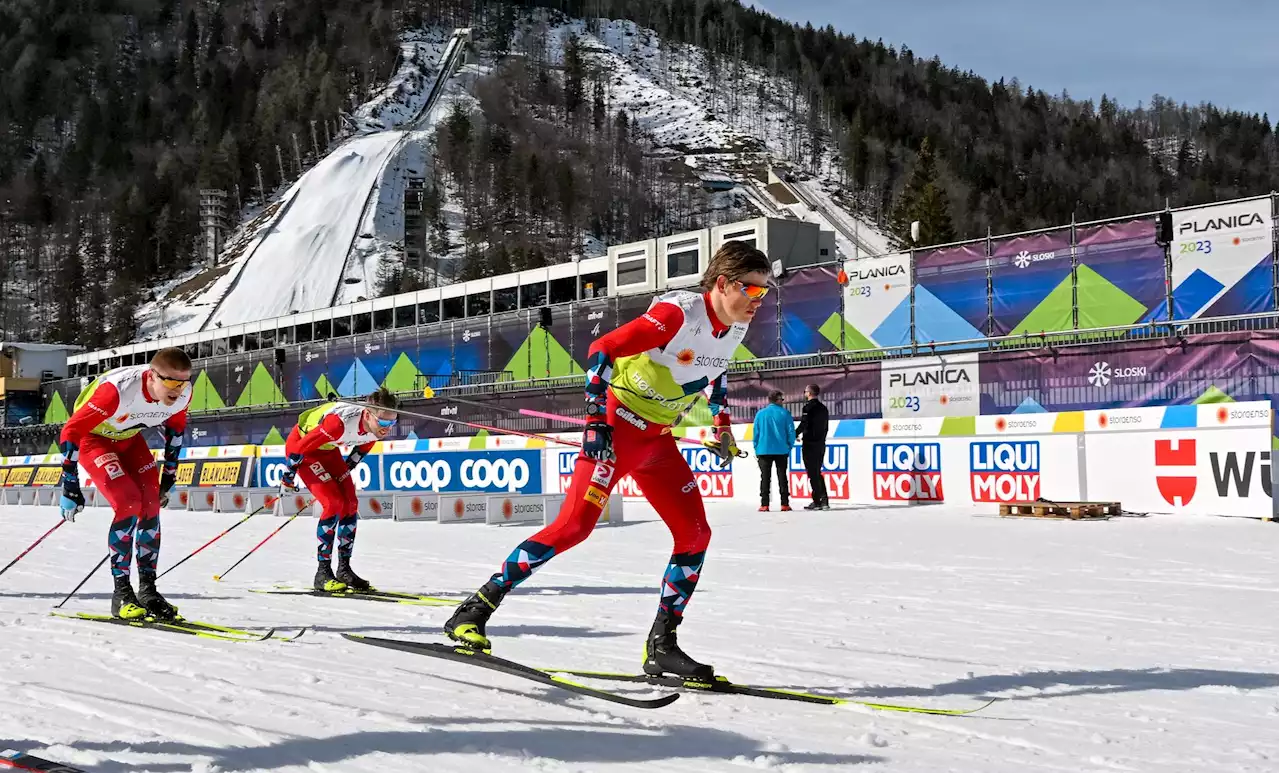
(1100, 374)
(1022, 259)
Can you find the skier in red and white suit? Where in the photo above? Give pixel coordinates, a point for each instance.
(640, 379)
(104, 436)
(312, 449)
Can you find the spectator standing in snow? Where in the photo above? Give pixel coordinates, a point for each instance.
(773, 434)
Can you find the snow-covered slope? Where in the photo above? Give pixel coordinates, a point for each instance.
(298, 264)
(1144, 645)
(743, 118)
(324, 239)
(294, 256)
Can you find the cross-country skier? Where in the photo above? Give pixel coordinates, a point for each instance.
(103, 435)
(640, 378)
(312, 450)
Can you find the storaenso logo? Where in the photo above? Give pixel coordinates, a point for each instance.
(863, 274)
(1216, 224)
(703, 361)
(1229, 473)
(927, 377)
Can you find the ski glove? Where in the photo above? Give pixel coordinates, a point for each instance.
(597, 441)
(169, 474)
(288, 481)
(354, 458)
(72, 501)
(167, 479)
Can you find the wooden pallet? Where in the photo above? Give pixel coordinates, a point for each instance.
(1076, 511)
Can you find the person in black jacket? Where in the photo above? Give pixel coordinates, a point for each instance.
(812, 434)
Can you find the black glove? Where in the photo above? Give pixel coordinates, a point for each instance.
(354, 459)
(597, 441)
(167, 479)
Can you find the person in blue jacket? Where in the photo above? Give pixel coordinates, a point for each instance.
(773, 434)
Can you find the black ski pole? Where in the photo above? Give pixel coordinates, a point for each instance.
(92, 571)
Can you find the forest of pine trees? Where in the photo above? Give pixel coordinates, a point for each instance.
(115, 113)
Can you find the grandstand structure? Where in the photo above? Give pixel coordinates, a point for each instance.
(1158, 308)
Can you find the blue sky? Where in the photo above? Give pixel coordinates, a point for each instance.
(1224, 51)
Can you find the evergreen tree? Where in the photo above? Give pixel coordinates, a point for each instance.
(574, 73)
(923, 200)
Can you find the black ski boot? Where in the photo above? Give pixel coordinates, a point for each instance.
(124, 603)
(349, 578)
(467, 624)
(663, 656)
(150, 598)
(325, 581)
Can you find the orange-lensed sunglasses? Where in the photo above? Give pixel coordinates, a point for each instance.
(171, 383)
(754, 292)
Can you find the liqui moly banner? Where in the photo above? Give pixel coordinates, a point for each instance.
(1222, 260)
(1004, 470)
(835, 473)
(713, 482)
(944, 385)
(907, 472)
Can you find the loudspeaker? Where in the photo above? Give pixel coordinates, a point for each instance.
(544, 317)
(1164, 228)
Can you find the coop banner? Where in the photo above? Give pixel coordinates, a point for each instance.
(1222, 260)
(492, 472)
(877, 303)
(943, 385)
(367, 475)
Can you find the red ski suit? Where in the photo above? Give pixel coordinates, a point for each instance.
(324, 470)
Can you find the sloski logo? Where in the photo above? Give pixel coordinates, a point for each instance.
(1102, 374)
(1026, 258)
(1176, 456)
(1004, 472)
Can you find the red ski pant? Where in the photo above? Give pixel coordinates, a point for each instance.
(127, 475)
(648, 452)
(329, 481)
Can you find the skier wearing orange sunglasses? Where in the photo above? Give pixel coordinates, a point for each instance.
(103, 434)
(640, 379)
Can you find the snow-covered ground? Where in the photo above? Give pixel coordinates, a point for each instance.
(1130, 645)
